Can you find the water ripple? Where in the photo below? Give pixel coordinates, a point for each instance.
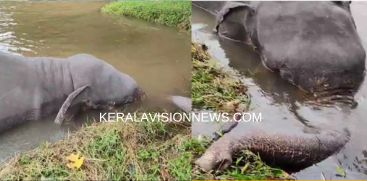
(9, 41)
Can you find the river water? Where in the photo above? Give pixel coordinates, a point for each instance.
(283, 107)
(157, 57)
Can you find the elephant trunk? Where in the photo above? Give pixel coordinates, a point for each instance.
(286, 151)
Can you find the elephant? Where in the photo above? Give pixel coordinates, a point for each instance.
(287, 147)
(312, 45)
(182, 103)
(36, 87)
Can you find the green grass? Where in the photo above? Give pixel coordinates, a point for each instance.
(112, 151)
(169, 13)
(215, 88)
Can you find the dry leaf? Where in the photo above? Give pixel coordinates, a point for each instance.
(75, 161)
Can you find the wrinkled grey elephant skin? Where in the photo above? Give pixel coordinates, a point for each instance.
(183, 103)
(313, 45)
(32, 88)
(288, 151)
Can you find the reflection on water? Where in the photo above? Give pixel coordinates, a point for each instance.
(284, 107)
(157, 57)
(8, 40)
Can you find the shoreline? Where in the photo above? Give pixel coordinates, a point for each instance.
(172, 14)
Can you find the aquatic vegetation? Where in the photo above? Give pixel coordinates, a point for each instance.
(213, 87)
(169, 13)
(111, 151)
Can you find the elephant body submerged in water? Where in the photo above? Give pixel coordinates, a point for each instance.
(37, 87)
(313, 45)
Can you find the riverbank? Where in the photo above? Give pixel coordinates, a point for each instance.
(219, 89)
(214, 87)
(170, 13)
(111, 151)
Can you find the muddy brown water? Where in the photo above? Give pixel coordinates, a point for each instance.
(157, 57)
(283, 106)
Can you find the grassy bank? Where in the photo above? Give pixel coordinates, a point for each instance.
(111, 151)
(214, 87)
(169, 13)
(219, 89)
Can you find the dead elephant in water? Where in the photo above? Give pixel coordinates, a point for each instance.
(36, 87)
(313, 45)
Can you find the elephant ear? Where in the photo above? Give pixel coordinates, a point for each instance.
(226, 10)
(67, 103)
